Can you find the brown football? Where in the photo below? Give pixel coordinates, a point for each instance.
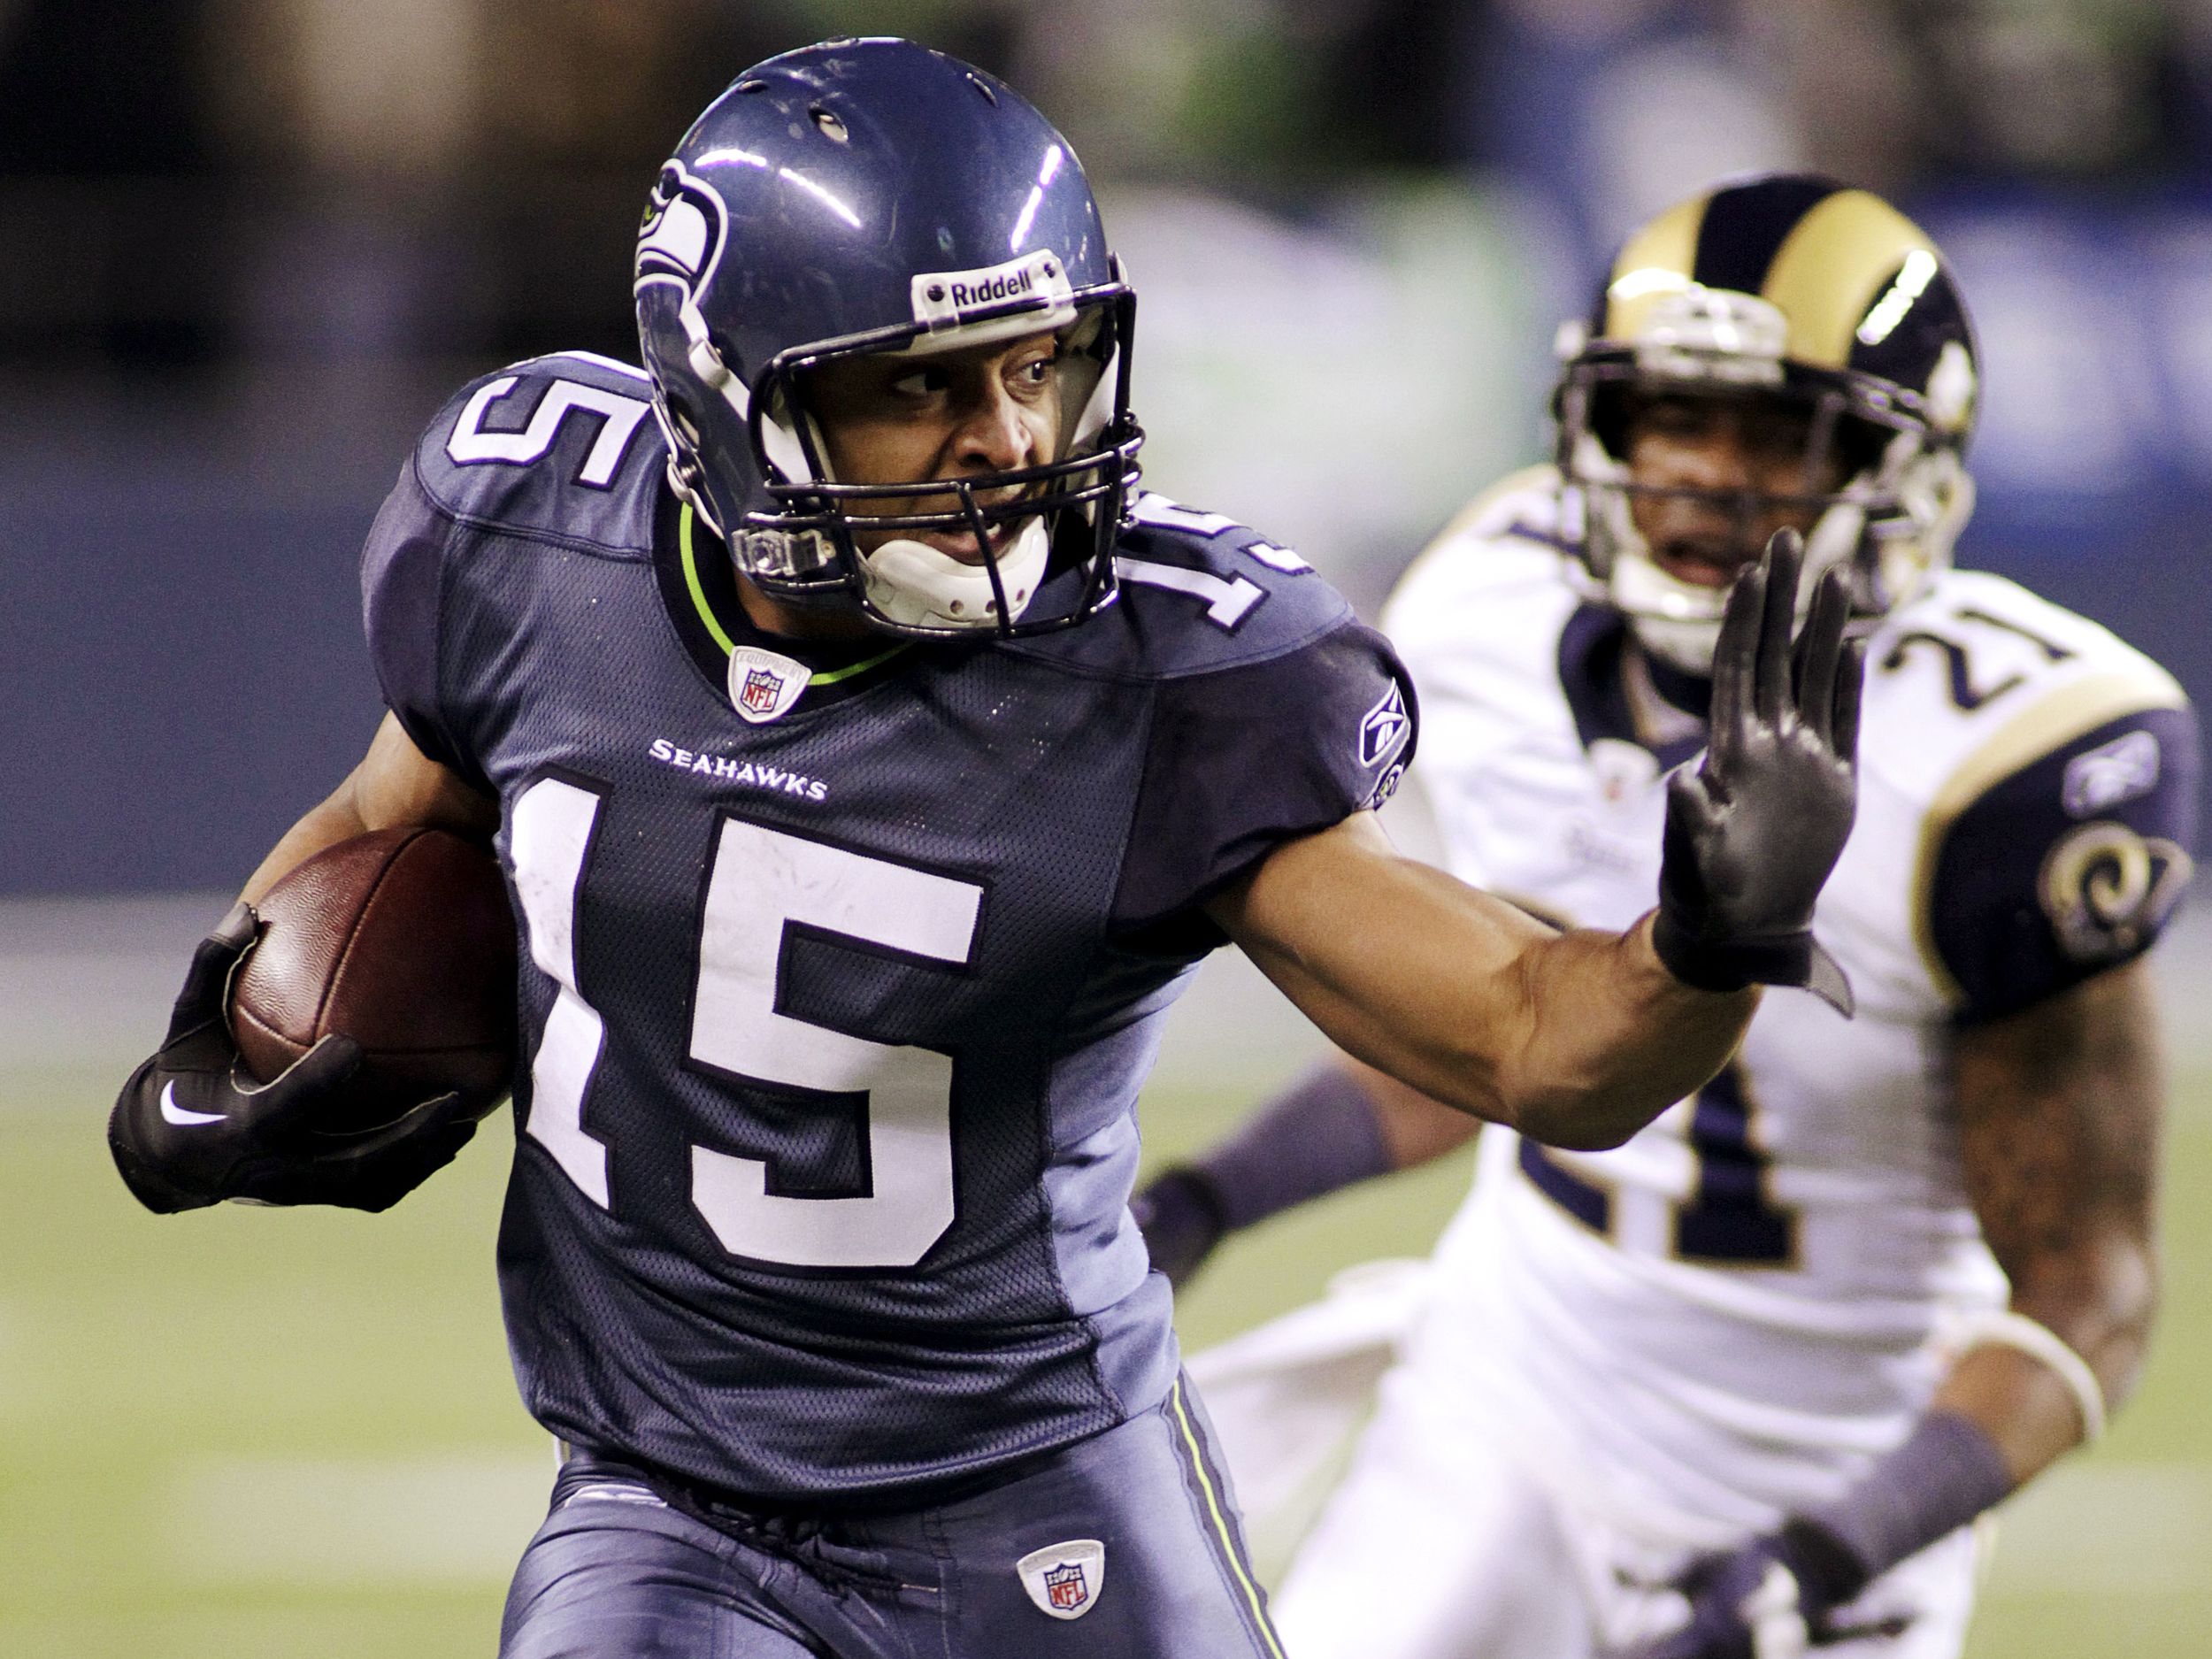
(401, 940)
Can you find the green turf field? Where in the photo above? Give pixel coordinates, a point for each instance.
(252, 1433)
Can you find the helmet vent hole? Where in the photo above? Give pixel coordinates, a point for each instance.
(831, 127)
(983, 87)
(752, 85)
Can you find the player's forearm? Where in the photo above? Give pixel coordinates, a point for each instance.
(2098, 1298)
(1612, 1038)
(2033, 1383)
(324, 824)
(2060, 1106)
(1579, 1038)
(2026, 1406)
(1579, 1041)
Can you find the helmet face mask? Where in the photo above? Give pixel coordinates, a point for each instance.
(741, 316)
(1826, 320)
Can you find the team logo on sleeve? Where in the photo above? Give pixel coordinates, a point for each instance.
(2107, 889)
(1384, 728)
(763, 685)
(1065, 1579)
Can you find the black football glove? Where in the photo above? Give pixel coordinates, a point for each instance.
(189, 1129)
(1774, 1598)
(1754, 832)
(1179, 1213)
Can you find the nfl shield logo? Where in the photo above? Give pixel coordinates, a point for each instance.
(764, 684)
(1065, 1579)
(1066, 1588)
(761, 690)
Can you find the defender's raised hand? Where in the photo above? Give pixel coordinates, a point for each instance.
(1753, 833)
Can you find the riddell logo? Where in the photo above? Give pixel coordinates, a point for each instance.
(943, 298)
(998, 287)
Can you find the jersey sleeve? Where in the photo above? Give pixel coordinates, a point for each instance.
(2069, 865)
(1246, 758)
(403, 583)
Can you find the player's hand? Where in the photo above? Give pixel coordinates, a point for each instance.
(189, 1129)
(1774, 1598)
(1754, 832)
(1179, 1215)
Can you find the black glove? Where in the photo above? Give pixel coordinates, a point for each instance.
(189, 1129)
(1774, 1598)
(1754, 831)
(1181, 1218)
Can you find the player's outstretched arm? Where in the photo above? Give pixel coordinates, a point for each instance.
(1579, 1038)
(1576, 1039)
(188, 1132)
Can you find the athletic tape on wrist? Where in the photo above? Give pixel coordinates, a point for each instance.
(2038, 1341)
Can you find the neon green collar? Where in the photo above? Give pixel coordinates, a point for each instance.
(826, 677)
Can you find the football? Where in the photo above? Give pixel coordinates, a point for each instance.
(401, 940)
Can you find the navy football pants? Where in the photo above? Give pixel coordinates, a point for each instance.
(617, 1573)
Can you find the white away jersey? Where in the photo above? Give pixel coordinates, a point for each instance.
(1725, 1317)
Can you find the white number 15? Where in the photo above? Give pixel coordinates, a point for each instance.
(762, 882)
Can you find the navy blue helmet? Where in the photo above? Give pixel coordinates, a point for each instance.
(876, 197)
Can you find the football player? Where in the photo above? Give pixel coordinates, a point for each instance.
(872, 764)
(1739, 1384)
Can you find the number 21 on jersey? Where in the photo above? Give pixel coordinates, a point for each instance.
(1729, 1218)
(762, 884)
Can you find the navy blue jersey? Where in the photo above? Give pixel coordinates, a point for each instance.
(836, 1016)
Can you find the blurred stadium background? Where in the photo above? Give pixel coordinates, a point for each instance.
(247, 246)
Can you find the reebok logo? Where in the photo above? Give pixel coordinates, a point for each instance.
(1384, 728)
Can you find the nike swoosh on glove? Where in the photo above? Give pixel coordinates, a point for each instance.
(189, 1129)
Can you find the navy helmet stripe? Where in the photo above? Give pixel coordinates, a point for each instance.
(1746, 226)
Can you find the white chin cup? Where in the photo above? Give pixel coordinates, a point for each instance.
(1678, 622)
(913, 583)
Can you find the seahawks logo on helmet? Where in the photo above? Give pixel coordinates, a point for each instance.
(680, 240)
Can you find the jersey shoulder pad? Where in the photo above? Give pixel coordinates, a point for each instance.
(1197, 592)
(1978, 677)
(1496, 586)
(560, 449)
(2053, 769)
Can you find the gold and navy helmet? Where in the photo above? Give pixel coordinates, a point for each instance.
(1788, 285)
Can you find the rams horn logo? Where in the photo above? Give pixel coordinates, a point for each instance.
(2107, 888)
(685, 225)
